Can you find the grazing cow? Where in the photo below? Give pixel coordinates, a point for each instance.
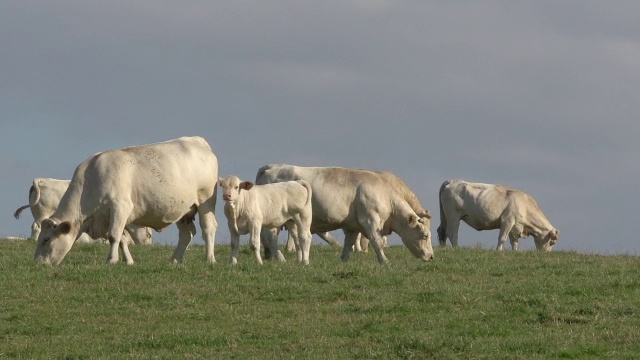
(489, 207)
(362, 242)
(149, 185)
(250, 208)
(356, 201)
(44, 197)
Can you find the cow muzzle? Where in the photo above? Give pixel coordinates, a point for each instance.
(428, 257)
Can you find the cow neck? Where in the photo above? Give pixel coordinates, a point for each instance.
(70, 208)
(539, 224)
(400, 212)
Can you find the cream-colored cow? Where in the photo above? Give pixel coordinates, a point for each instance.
(357, 201)
(489, 207)
(152, 185)
(44, 197)
(249, 208)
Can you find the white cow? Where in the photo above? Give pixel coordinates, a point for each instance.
(44, 197)
(356, 201)
(489, 207)
(250, 208)
(149, 185)
(361, 244)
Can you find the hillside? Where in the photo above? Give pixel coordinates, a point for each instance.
(468, 303)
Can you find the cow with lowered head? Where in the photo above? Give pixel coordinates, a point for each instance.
(152, 185)
(489, 207)
(357, 201)
(44, 197)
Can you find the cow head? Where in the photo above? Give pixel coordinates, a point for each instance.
(231, 187)
(546, 241)
(416, 236)
(54, 241)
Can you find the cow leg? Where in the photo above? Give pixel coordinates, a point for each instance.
(208, 225)
(364, 243)
(349, 239)
(254, 234)
(294, 234)
(265, 240)
(186, 230)
(357, 245)
(514, 242)
(452, 232)
(35, 230)
(372, 227)
(375, 239)
(505, 229)
(291, 245)
(118, 221)
(327, 237)
(235, 246)
(124, 246)
(303, 237)
(269, 239)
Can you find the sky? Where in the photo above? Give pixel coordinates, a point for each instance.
(541, 96)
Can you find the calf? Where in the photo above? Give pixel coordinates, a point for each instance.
(249, 208)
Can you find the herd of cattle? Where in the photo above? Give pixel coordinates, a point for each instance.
(120, 195)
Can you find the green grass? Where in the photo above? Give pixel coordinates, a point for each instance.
(468, 303)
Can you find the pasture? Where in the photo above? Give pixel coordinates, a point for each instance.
(467, 303)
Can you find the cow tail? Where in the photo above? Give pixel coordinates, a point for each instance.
(442, 229)
(308, 186)
(19, 210)
(35, 188)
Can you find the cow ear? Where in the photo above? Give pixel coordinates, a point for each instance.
(246, 185)
(555, 234)
(64, 228)
(427, 214)
(220, 181)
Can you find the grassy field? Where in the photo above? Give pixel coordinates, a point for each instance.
(467, 304)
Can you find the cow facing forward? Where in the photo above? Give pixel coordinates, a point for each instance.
(44, 197)
(249, 208)
(356, 201)
(149, 185)
(489, 207)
